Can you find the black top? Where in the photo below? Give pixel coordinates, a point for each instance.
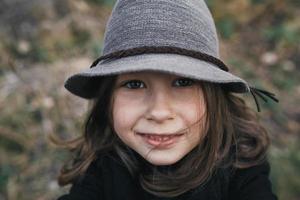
(108, 179)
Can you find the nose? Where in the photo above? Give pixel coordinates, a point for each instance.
(159, 107)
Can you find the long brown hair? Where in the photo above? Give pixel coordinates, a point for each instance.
(234, 138)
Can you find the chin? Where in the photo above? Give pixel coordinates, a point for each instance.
(162, 161)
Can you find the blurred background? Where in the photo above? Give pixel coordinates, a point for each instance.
(44, 41)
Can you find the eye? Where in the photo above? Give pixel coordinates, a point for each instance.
(133, 84)
(183, 82)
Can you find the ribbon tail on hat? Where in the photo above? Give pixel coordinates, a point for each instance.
(259, 92)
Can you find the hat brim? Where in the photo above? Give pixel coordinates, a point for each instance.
(84, 84)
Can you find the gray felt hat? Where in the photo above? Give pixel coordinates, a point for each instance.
(173, 36)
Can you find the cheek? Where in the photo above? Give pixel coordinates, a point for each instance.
(124, 113)
(193, 112)
(193, 107)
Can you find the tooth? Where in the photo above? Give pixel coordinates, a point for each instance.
(160, 138)
(166, 138)
(153, 137)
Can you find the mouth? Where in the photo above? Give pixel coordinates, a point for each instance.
(160, 140)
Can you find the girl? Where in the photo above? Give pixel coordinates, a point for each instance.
(164, 122)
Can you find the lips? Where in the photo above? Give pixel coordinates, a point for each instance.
(160, 137)
(161, 140)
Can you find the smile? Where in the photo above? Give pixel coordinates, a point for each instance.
(160, 140)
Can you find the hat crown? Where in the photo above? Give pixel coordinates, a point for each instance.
(186, 24)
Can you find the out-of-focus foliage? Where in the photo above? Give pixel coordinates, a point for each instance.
(44, 41)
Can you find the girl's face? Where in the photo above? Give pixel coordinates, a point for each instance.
(160, 116)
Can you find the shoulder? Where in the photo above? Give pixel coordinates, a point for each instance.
(251, 183)
(245, 174)
(96, 180)
(103, 165)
